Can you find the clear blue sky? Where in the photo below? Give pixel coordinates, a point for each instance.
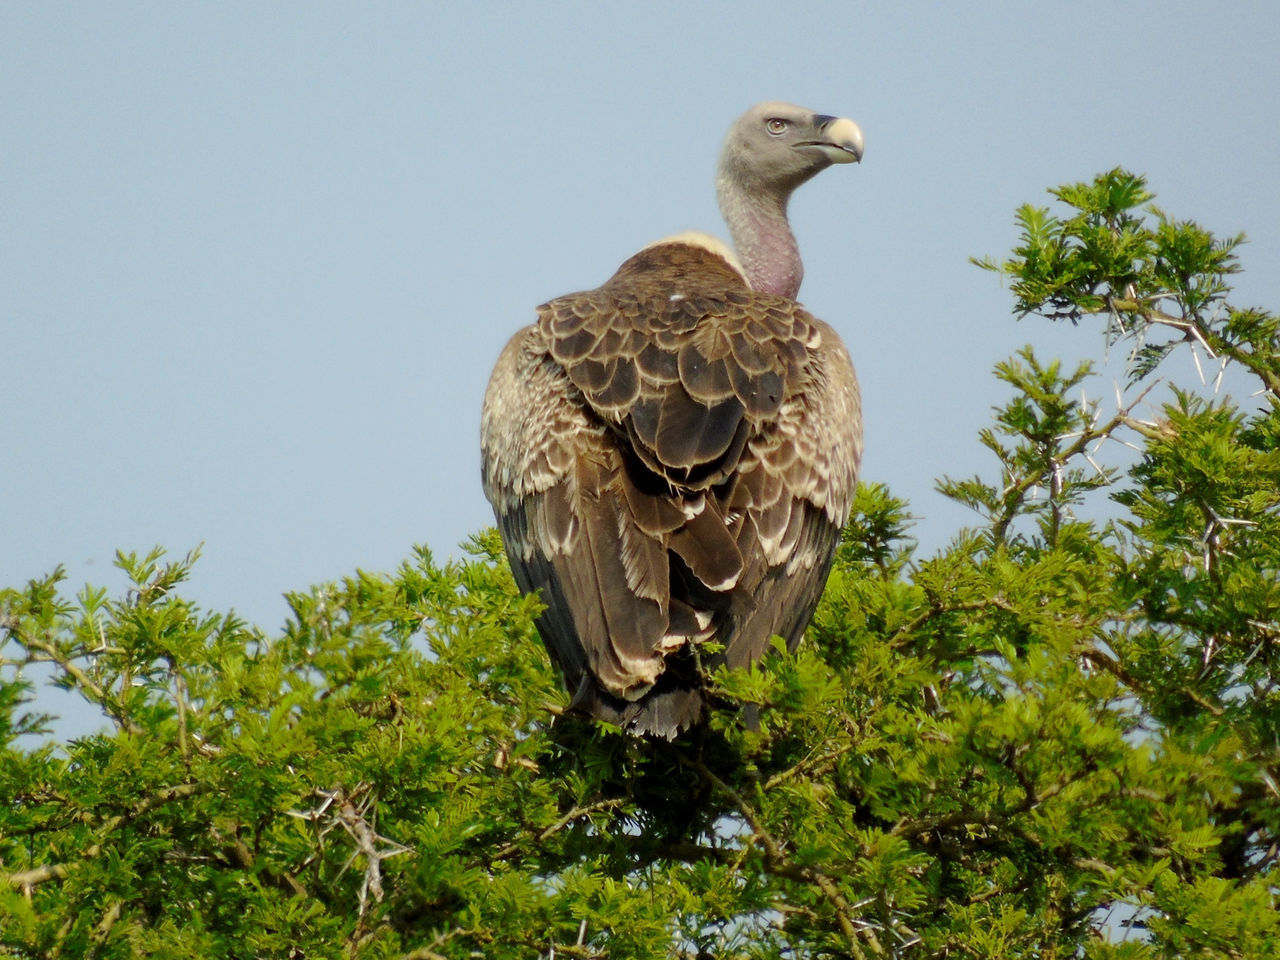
(256, 260)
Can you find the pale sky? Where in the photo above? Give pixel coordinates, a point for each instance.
(257, 260)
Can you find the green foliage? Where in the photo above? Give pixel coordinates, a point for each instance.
(1118, 255)
(1055, 738)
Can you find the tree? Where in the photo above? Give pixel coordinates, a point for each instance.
(1057, 737)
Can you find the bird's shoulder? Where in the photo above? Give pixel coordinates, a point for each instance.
(681, 312)
(683, 364)
(532, 423)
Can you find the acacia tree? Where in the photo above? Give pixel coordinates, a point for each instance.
(1056, 737)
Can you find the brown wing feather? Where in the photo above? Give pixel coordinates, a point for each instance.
(555, 481)
(670, 458)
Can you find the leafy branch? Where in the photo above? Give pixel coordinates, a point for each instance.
(1117, 254)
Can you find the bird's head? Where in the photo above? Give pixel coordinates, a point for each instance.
(778, 146)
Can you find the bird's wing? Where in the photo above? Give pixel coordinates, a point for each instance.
(791, 494)
(555, 476)
(670, 458)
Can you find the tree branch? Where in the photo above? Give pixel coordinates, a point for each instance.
(1117, 670)
(938, 610)
(776, 862)
(84, 682)
(511, 848)
(26, 879)
(1087, 436)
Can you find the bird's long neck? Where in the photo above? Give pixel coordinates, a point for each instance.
(762, 236)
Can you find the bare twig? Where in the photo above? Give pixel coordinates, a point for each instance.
(1080, 447)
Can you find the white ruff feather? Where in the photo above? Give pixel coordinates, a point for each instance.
(696, 238)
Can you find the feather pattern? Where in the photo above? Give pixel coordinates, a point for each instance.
(671, 456)
(667, 472)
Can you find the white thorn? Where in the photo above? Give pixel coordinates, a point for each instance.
(1217, 381)
(1195, 355)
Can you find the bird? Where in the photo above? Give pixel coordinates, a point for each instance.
(671, 456)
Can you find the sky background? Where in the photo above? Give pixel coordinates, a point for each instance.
(257, 260)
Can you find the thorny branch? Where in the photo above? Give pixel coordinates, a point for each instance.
(352, 818)
(47, 652)
(1197, 331)
(1080, 447)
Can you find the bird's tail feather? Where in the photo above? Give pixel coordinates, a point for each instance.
(671, 706)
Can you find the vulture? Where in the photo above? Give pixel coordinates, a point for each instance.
(671, 456)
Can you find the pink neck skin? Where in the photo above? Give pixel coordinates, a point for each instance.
(763, 239)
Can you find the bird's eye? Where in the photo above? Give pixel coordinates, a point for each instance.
(776, 126)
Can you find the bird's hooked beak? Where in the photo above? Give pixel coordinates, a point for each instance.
(840, 139)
